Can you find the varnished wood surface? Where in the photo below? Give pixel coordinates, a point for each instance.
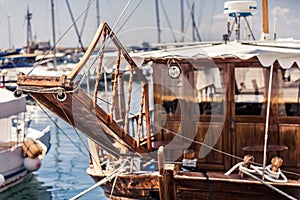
(78, 111)
(194, 185)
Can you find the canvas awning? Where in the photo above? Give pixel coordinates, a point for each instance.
(286, 53)
(9, 104)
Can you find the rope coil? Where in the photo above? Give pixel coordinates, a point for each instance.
(269, 174)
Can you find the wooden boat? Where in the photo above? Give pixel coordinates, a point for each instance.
(18, 142)
(186, 131)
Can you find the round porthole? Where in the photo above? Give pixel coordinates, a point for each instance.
(174, 71)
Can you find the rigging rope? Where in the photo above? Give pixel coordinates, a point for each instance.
(168, 21)
(128, 100)
(61, 37)
(115, 85)
(84, 144)
(54, 122)
(57, 126)
(99, 71)
(183, 137)
(267, 120)
(269, 185)
(187, 21)
(140, 121)
(106, 43)
(115, 173)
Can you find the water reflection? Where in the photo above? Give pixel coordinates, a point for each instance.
(31, 189)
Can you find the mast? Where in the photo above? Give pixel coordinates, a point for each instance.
(265, 16)
(9, 32)
(29, 32)
(75, 26)
(193, 21)
(53, 34)
(98, 12)
(157, 21)
(195, 30)
(182, 15)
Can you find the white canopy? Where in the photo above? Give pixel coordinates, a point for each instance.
(286, 53)
(9, 104)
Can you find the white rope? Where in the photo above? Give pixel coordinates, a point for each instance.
(267, 121)
(114, 174)
(269, 174)
(270, 186)
(113, 186)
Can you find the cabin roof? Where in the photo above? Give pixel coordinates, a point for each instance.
(285, 52)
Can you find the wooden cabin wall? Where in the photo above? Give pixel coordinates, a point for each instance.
(290, 134)
(287, 121)
(240, 131)
(185, 119)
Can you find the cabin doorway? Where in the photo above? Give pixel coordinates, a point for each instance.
(249, 107)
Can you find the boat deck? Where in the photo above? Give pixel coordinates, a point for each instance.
(194, 185)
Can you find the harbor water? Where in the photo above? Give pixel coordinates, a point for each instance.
(63, 171)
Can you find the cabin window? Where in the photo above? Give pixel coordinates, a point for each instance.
(289, 92)
(209, 90)
(250, 91)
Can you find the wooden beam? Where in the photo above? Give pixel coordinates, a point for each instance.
(88, 53)
(166, 183)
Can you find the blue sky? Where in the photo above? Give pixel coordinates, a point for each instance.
(140, 26)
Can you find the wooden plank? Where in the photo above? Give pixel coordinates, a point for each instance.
(88, 52)
(166, 183)
(289, 135)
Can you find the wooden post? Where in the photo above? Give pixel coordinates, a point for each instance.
(166, 183)
(166, 178)
(161, 159)
(122, 97)
(147, 116)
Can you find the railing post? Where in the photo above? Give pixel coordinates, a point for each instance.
(147, 116)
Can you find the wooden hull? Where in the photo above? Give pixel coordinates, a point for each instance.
(194, 185)
(130, 186)
(190, 186)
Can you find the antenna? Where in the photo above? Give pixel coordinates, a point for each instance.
(236, 10)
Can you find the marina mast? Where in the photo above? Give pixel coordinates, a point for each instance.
(53, 34)
(29, 31)
(9, 32)
(157, 22)
(98, 12)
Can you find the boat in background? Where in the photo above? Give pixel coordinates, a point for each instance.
(22, 148)
(213, 121)
(14, 64)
